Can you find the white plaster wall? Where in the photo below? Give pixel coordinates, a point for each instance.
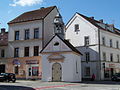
(107, 49)
(86, 29)
(49, 25)
(61, 47)
(94, 68)
(68, 68)
(94, 55)
(21, 28)
(23, 44)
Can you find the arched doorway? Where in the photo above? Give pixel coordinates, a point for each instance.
(56, 72)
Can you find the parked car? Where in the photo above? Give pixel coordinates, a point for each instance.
(116, 77)
(7, 77)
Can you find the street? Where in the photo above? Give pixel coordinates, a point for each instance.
(39, 85)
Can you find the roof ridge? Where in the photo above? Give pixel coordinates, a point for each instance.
(32, 15)
(39, 9)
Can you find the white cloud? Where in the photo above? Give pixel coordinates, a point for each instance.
(26, 2)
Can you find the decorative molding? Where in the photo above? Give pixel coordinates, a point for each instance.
(55, 57)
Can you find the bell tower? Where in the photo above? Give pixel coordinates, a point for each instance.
(59, 26)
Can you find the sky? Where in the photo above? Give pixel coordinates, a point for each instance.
(108, 10)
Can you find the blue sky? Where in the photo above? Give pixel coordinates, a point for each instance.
(109, 10)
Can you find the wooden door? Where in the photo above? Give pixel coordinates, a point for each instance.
(56, 72)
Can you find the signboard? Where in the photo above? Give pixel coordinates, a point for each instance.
(32, 62)
(16, 62)
(111, 65)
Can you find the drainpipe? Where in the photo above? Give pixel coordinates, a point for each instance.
(99, 53)
(42, 33)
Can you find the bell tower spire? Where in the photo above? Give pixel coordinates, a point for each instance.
(59, 26)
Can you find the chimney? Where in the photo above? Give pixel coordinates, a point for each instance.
(111, 25)
(92, 17)
(101, 20)
(2, 30)
(42, 8)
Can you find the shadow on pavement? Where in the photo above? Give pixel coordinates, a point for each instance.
(11, 87)
(102, 82)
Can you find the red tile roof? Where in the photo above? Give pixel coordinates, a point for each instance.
(33, 15)
(94, 22)
(4, 39)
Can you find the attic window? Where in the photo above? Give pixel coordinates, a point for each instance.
(56, 44)
(76, 28)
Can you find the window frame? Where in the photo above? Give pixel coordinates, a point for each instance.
(36, 33)
(16, 70)
(104, 56)
(111, 57)
(103, 41)
(117, 44)
(27, 34)
(26, 51)
(76, 27)
(2, 53)
(36, 50)
(16, 52)
(111, 43)
(87, 71)
(87, 56)
(17, 35)
(86, 40)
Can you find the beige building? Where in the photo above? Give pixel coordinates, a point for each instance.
(3, 50)
(28, 34)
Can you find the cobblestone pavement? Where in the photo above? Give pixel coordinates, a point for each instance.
(39, 85)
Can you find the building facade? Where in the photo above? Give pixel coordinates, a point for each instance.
(3, 50)
(99, 44)
(61, 61)
(28, 34)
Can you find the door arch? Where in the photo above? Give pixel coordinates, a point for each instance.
(56, 72)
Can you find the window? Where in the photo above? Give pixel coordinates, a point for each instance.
(103, 40)
(110, 42)
(76, 27)
(86, 40)
(26, 51)
(56, 43)
(104, 56)
(76, 67)
(36, 33)
(87, 71)
(16, 70)
(2, 53)
(87, 56)
(117, 44)
(16, 35)
(26, 34)
(36, 50)
(118, 58)
(111, 57)
(35, 71)
(16, 52)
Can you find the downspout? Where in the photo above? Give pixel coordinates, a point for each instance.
(99, 53)
(42, 33)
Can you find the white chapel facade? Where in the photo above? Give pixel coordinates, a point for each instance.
(60, 60)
